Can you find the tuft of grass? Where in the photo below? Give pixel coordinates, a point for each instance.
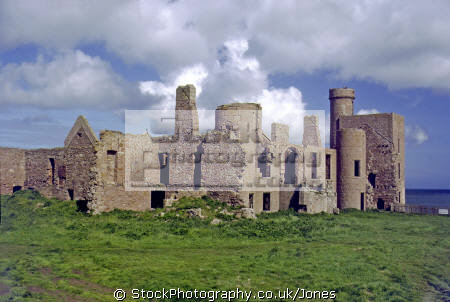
(51, 252)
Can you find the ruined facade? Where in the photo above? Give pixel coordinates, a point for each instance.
(235, 162)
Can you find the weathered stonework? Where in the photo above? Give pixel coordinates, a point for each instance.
(12, 170)
(311, 126)
(235, 162)
(384, 179)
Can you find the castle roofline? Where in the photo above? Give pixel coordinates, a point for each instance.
(379, 114)
(340, 93)
(240, 106)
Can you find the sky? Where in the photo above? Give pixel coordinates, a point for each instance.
(61, 59)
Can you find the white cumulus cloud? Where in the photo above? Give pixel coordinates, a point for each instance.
(415, 134)
(234, 77)
(68, 79)
(398, 43)
(165, 91)
(367, 111)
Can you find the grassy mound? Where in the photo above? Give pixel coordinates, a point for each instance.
(51, 252)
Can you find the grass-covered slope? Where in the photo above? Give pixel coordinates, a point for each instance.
(51, 252)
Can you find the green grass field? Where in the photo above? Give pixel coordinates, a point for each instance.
(51, 252)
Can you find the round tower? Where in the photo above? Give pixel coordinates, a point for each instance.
(351, 168)
(244, 118)
(341, 104)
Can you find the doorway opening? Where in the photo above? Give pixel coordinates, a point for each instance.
(380, 204)
(250, 200)
(266, 201)
(157, 199)
(294, 202)
(82, 206)
(17, 188)
(70, 192)
(362, 201)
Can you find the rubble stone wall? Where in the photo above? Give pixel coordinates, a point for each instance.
(385, 156)
(12, 169)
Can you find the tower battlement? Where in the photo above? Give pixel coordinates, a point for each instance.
(339, 93)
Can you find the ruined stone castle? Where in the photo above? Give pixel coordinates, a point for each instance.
(235, 162)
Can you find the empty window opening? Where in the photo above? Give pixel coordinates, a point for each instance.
(362, 201)
(328, 166)
(157, 199)
(294, 202)
(266, 201)
(250, 200)
(380, 204)
(70, 192)
(290, 171)
(52, 170)
(398, 145)
(313, 165)
(357, 168)
(17, 188)
(337, 124)
(264, 163)
(82, 206)
(111, 158)
(198, 167)
(164, 167)
(62, 172)
(372, 179)
(399, 171)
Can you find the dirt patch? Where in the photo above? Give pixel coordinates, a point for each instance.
(91, 286)
(4, 289)
(36, 290)
(77, 272)
(46, 271)
(59, 294)
(63, 295)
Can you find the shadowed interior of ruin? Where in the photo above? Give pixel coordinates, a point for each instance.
(157, 199)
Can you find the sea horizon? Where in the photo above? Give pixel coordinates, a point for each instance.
(428, 197)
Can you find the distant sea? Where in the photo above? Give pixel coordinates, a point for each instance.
(437, 198)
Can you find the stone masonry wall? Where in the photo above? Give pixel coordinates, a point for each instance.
(12, 169)
(384, 153)
(311, 132)
(79, 159)
(42, 172)
(108, 188)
